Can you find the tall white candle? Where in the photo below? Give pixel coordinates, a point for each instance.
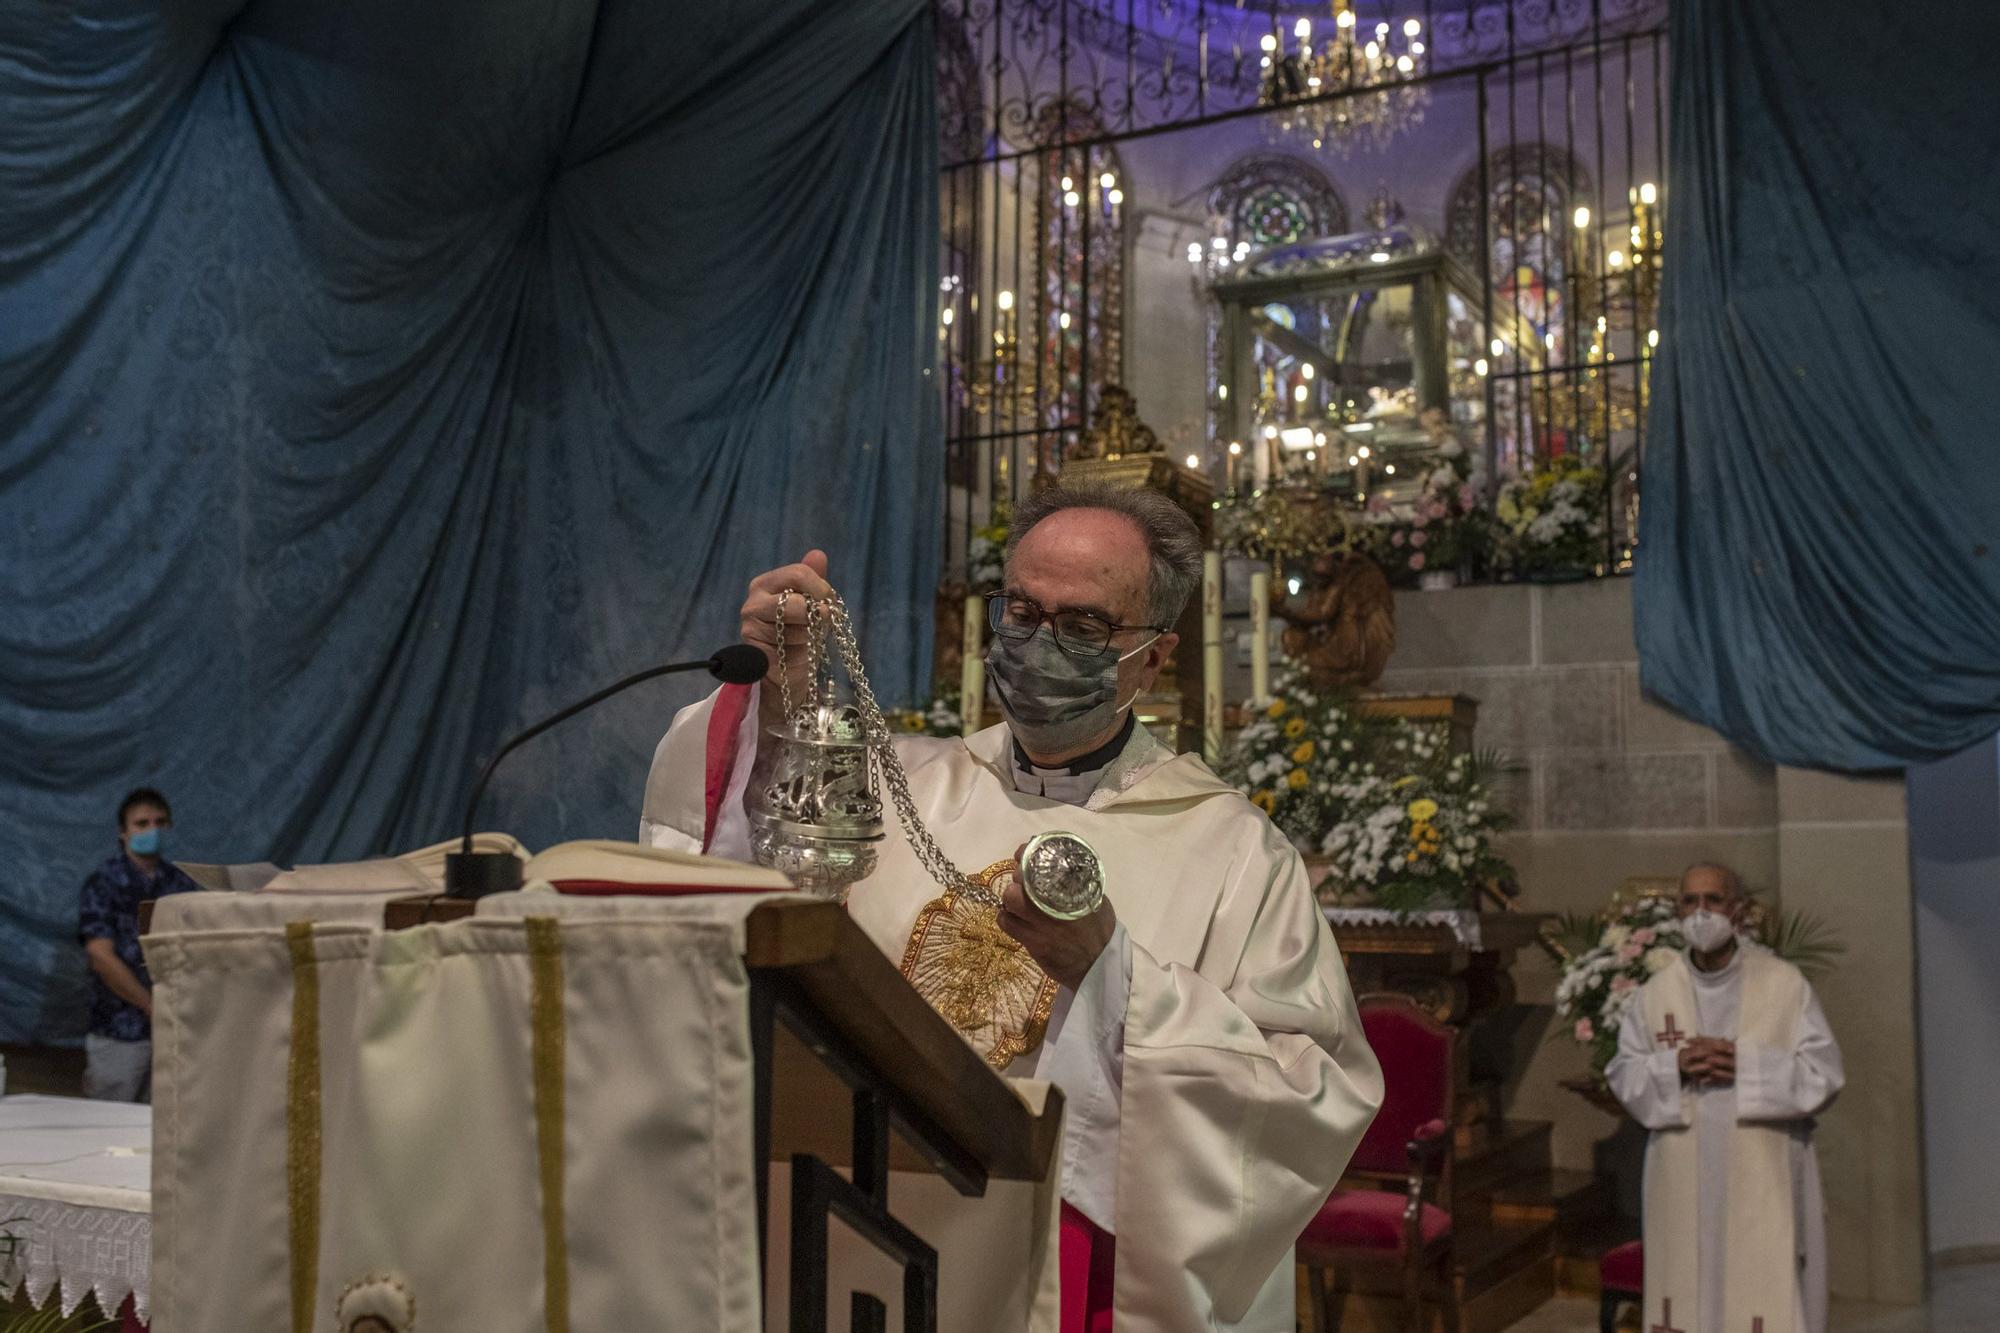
(1211, 656)
(972, 669)
(1260, 634)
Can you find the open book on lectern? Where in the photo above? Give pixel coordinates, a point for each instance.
(590, 866)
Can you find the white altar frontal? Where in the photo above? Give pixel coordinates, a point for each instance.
(76, 1202)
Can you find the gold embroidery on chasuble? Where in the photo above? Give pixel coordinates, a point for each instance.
(978, 976)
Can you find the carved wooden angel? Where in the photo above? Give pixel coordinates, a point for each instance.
(1341, 626)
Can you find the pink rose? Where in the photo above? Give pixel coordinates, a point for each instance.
(1379, 504)
(1644, 935)
(1417, 560)
(1584, 1032)
(1630, 950)
(1417, 539)
(1396, 537)
(1619, 985)
(1421, 519)
(1466, 498)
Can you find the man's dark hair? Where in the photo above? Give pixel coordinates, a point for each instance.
(142, 796)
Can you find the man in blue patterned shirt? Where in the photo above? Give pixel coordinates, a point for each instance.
(119, 1045)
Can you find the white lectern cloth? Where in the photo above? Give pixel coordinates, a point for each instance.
(429, 1162)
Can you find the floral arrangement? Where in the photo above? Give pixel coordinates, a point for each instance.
(1446, 526)
(939, 717)
(1552, 521)
(1637, 939)
(985, 553)
(1401, 823)
(1608, 955)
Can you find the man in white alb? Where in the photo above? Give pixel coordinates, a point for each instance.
(1726, 1058)
(1199, 1022)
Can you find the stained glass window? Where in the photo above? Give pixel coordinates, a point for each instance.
(1532, 189)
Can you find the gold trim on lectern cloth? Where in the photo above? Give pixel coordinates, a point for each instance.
(547, 1040)
(978, 976)
(302, 1125)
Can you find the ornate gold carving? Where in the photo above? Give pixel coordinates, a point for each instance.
(1116, 430)
(977, 975)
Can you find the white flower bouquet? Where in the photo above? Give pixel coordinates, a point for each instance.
(1401, 822)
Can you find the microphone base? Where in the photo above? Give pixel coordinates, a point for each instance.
(476, 874)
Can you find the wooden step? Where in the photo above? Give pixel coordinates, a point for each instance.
(1578, 1202)
(1510, 1151)
(1499, 1273)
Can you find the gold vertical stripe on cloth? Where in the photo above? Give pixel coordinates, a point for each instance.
(302, 1125)
(545, 1017)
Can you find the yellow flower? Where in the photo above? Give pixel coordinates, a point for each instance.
(1277, 708)
(1422, 810)
(1295, 728)
(1411, 858)
(1296, 779)
(1303, 754)
(1264, 800)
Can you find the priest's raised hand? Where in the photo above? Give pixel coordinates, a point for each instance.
(760, 624)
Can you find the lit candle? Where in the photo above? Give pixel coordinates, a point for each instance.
(1211, 657)
(972, 670)
(1260, 634)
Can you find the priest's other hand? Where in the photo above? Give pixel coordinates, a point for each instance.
(759, 616)
(1063, 949)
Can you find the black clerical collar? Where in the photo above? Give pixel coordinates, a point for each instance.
(1099, 758)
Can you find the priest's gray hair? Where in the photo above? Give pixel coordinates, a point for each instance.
(1172, 540)
(1730, 879)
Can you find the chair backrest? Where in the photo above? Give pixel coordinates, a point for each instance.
(1417, 1054)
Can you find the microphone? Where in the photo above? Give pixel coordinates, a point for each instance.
(470, 874)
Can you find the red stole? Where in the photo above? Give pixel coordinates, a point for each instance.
(1086, 1270)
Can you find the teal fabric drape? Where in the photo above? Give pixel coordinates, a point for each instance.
(1819, 566)
(375, 377)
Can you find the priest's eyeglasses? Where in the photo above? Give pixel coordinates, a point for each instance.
(1078, 633)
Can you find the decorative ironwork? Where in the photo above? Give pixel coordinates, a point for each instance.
(1082, 319)
(1141, 64)
(961, 105)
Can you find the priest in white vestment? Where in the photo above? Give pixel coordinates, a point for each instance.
(1726, 1057)
(1200, 1022)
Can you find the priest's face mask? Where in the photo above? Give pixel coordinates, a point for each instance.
(1711, 906)
(1073, 646)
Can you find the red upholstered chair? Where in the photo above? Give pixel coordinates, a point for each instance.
(1621, 1277)
(1397, 1217)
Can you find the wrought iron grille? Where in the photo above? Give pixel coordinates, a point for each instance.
(1553, 111)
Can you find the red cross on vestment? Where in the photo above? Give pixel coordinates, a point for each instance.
(1666, 1324)
(1671, 1038)
(1757, 1324)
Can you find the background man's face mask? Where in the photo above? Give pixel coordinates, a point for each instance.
(147, 841)
(1707, 931)
(1054, 701)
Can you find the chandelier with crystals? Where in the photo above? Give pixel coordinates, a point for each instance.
(1377, 70)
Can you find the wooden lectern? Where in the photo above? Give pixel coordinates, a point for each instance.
(844, 1052)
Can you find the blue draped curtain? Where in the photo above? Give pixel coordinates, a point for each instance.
(1819, 565)
(377, 376)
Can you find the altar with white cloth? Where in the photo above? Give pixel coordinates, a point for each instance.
(76, 1201)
